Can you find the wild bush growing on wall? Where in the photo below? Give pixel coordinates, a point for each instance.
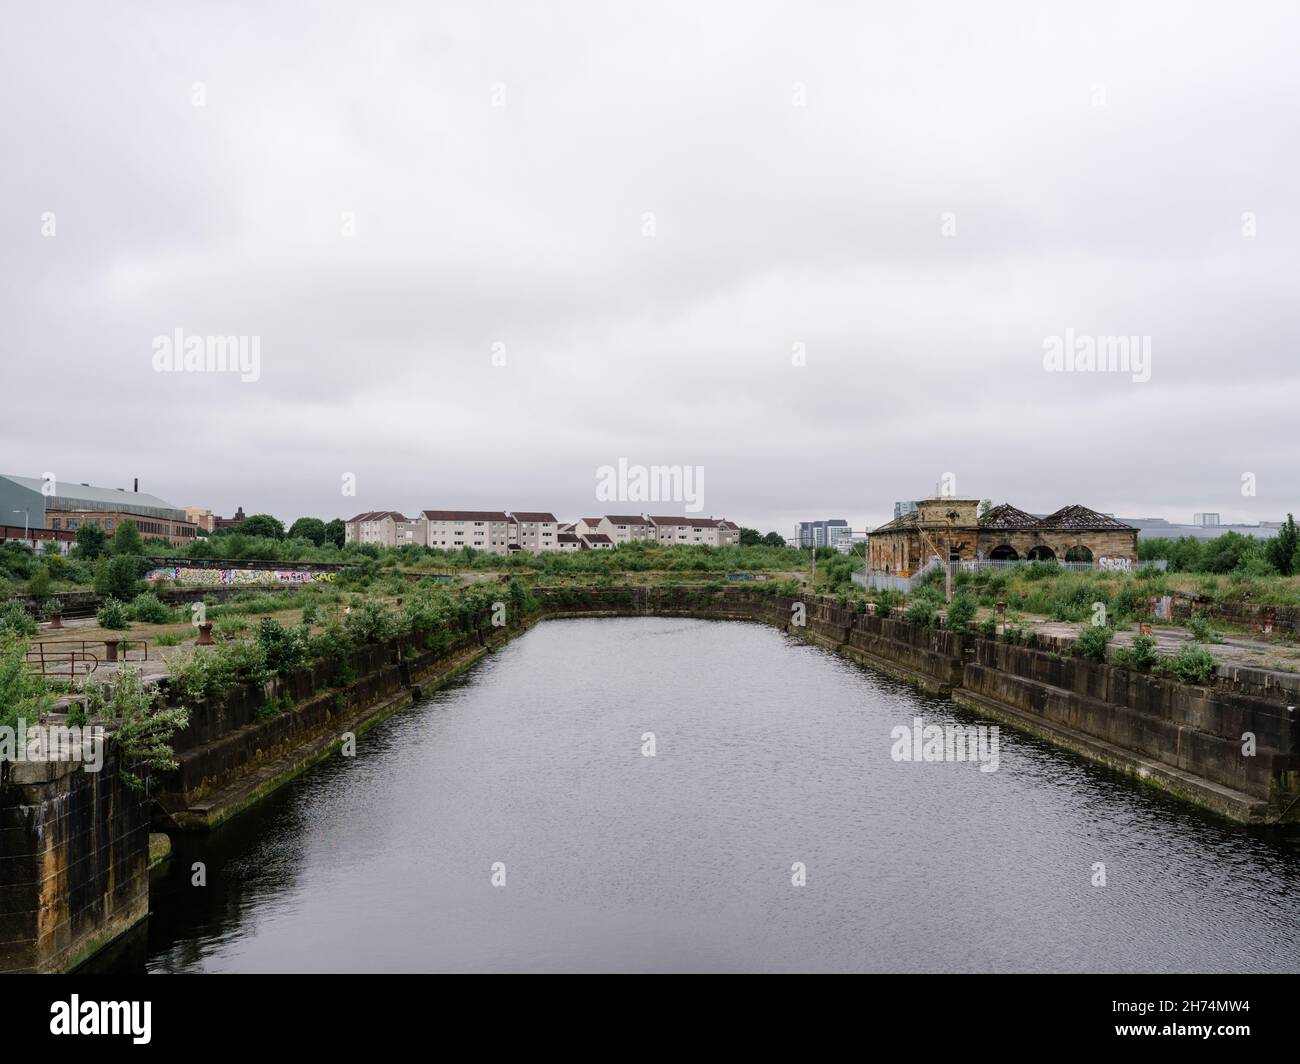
(144, 728)
(1140, 654)
(203, 672)
(370, 621)
(1192, 664)
(286, 650)
(1091, 641)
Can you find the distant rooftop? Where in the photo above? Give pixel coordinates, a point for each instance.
(73, 496)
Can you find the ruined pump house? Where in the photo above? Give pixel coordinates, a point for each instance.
(954, 529)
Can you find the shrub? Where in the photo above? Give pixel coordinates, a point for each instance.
(1200, 628)
(1091, 641)
(39, 585)
(168, 639)
(22, 695)
(117, 578)
(227, 629)
(1014, 631)
(961, 611)
(203, 673)
(285, 649)
(921, 611)
(143, 730)
(126, 540)
(1140, 654)
(370, 621)
(14, 620)
(311, 613)
(428, 611)
(1192, 664)
(113, 615)
(334, 645)
(149, 609)
(988, 628)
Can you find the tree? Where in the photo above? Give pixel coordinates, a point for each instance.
(118, 578)
(1229, 551)
(985, 506)
(750, 537)
(1281, 549)
(312, 528)
(335, 532)
(126, 540)
(90, 541)
(39, 585)
(262, 525)
(774, 539)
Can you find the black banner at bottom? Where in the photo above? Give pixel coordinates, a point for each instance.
(345, 1012)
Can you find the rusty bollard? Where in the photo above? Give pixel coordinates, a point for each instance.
(205, 635)
(56, 619)
(110, 645)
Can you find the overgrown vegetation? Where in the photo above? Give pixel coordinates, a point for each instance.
(1092, 640)
(144, 727)
(1140, 654)
(23, 696)
(113, 615)
(1192, 664)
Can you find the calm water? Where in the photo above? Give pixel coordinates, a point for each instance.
(768, 752)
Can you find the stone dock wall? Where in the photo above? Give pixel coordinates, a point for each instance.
(74, 845)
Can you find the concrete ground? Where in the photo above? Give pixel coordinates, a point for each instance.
(1237, 648)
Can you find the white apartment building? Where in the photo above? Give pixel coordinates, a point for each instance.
(384, 528)
(622, 528)
(535, 532)
(695, 531)
(484, 530)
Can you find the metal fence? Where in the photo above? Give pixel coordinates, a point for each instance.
(80, 657)
(895, 582)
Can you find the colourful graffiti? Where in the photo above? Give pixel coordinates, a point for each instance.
(194, 577)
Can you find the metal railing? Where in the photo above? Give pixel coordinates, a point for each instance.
(910, 581)
(72, 657)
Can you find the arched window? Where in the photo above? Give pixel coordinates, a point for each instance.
(1078, 554)
(1042, 554)
(1004, 552)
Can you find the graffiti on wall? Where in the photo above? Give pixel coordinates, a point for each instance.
(186, 576)
(1122, 565)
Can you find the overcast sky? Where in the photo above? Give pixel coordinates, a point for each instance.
(912, 199)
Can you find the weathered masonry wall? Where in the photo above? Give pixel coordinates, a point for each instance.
(73, 863)
(232, 753)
